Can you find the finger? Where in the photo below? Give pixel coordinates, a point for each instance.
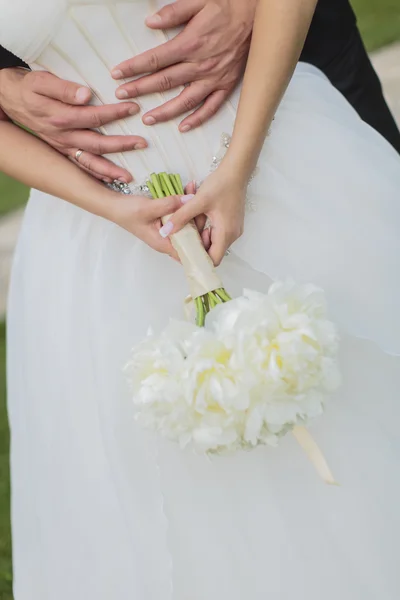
(191, 188)
(188, 100)
(162, 245)
(163, 207)
(93, 174)
(162, 81)
(172, 15)
(206, 238)
(162, 56)
(96, 143)
(210, 107)
(219, 246)
(91, 117)
(200, 221)
(68, 92)
(101, 167)
(182, 216)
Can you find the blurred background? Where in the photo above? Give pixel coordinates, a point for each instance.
(379, 22)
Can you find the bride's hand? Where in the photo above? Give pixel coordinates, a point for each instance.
(142, 217)
(222, 198)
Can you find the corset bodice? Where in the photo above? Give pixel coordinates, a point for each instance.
(81, 41)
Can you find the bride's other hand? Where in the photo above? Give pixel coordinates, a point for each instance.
(142, 217)
(209, 54)
(222, 199)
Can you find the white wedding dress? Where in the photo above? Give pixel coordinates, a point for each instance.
(102, 510)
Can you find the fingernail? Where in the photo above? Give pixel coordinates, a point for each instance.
(117, 74)
(149, 120)
(82, 95)
(121, 94)
(186, 198)
(140, 146)
(122, 179)
(133, 110)
(153, 21)
(185, 128)
(166, 229)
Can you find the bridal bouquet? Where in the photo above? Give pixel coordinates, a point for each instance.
(250, 370)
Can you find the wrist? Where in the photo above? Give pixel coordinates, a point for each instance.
(239, 167)
(8, 78)
(107, 202)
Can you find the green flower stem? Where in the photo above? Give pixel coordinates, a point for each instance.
(200, 313)
(206, 303)
(177, 183)
(152, 189)
(223, 295)
(215, 298)
(156, 183)
(211, 302)
(168, 184)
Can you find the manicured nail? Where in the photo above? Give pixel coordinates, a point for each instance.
(149, 120)
(186, 198)
(153, 21)
(133, 110)
(117, 74)
(82, 95)
(185, 128)
(122, 179)
(140, 146)
(121, 94)
(166, 229)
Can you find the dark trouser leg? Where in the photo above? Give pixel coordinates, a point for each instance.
(352, 74)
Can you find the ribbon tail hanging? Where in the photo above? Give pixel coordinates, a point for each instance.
(314, 454)
(188, 308)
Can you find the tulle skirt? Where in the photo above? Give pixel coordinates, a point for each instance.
(102, 509)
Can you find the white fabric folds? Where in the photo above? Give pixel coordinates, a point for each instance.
(104, 510)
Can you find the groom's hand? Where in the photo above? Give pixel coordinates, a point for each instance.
(58, 112)
(209, 54)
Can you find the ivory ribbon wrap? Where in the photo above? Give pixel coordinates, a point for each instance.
(198, 266)
(314, 454)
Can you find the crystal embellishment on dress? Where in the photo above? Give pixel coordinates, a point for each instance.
(134, 189)
(217, 159)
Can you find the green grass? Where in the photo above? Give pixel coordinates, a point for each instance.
(5, 534)
(379, 21)
(13, 195)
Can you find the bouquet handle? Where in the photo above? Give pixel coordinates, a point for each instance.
(199, 269)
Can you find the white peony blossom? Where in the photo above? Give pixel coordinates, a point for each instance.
(264, 363)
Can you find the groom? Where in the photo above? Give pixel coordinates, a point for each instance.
(210, 55)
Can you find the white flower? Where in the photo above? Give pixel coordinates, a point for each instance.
(265, 363)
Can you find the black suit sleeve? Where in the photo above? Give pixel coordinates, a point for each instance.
(9, 60)
(334, 45)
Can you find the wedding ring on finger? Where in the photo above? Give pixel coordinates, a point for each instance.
(78, 154)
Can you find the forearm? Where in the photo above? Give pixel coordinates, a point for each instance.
(280, 29)
(31, 161)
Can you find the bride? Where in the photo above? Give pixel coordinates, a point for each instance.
(104, 510)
